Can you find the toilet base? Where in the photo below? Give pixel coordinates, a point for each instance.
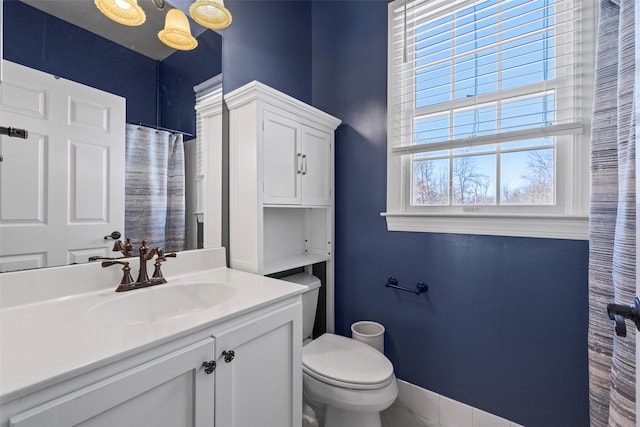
(336, 417)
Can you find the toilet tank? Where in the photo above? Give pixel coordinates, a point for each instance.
(309, 300)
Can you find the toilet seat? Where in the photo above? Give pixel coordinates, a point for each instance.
(346, 363)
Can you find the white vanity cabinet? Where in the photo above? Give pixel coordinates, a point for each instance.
(168, 385)
(260, 383)
(281, 178)
(171, 390)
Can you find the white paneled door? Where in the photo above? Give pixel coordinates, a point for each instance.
(62, 188)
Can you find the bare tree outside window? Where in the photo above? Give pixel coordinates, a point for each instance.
(431, 182)
(538, 180)
(470, 186)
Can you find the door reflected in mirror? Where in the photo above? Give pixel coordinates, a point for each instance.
(66, 173)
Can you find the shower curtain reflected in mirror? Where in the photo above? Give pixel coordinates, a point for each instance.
(155, 188)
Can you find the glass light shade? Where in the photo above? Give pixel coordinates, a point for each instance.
(177, 33)
(125, 12)
(210, 14)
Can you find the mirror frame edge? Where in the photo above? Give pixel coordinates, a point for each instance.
(1, 42)
(211, 113)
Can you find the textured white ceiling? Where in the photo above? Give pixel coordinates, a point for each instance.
(142, 39)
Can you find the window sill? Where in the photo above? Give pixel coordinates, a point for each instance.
(542, 226)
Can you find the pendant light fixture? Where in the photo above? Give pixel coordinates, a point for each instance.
(177, 33)
(125, 12)
(210, 14)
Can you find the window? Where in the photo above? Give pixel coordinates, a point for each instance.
(488, 112)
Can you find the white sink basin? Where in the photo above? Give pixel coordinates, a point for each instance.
(159, 302)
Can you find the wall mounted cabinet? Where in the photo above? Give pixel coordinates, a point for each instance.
(281, 174)
(297, 162)
(281, 180)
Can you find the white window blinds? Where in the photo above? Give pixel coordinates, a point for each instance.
(467, 73)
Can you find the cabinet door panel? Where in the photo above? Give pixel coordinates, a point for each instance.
(262, 385)
(316, 184)
(169, 391)
(176, 396)
(282, 162)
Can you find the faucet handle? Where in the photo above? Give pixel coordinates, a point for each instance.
(126, 248)
(126, 274)
(162, 257)
(95, 258)
(117, 246)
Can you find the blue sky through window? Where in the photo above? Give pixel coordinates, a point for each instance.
(488, 47)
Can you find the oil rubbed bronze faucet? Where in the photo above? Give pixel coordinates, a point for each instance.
(143, 280)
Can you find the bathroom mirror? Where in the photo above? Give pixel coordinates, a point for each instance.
(67, 39)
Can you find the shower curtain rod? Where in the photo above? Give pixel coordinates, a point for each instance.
(160, 128)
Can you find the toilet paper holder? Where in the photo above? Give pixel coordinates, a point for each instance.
(420, 287)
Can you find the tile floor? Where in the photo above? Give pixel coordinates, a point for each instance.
(397, 416)
(418, 407)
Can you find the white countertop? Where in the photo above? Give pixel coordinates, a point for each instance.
(56, 339)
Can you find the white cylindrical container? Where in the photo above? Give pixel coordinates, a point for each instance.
(371, 333)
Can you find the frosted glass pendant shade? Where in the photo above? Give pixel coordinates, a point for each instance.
(177, 33)
(125, 12)
(210, 14)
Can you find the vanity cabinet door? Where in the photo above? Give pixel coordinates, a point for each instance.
(170, 391)
(260, 383)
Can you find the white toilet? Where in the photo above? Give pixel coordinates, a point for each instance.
(345, 381)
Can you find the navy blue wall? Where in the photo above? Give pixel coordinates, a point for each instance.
(269, 41)
(41, 41)
(179, 73)
(504, 324)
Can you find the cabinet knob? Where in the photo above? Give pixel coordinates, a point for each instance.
(228, 355)
(209, 366)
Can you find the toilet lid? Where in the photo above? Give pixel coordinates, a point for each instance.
(345, 361)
